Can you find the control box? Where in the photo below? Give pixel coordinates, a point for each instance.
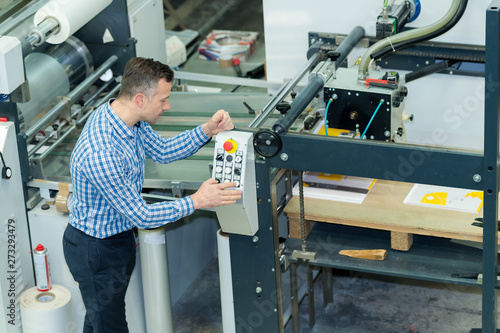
(234, 161)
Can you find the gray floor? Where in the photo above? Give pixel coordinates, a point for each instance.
(362, 303)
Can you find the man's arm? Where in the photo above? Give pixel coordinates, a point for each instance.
(213, 194)
(167, 150)
(107, 172)
(220, 121)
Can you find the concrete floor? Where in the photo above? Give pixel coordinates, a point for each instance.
(363, 303)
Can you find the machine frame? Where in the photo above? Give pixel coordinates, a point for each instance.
(255, 260)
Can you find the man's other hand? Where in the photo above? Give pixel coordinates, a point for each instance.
(220, 121)
(212, 194)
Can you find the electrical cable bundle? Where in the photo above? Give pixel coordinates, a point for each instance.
(388, 50)
(414, 35)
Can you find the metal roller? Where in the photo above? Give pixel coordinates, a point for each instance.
(51, 74)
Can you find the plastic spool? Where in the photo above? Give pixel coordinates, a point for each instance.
(155, 280)
(226, 284)
(46, 311)
(71, 16)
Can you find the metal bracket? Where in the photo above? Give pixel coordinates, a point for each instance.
(177, 189)
(304, 255)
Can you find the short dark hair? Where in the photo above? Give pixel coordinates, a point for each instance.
(141, 75)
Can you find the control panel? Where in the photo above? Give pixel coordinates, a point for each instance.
(234, 162)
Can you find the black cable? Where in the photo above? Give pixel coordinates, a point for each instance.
(6, 171)
(391, 49)
(434, 68)
(1, 157)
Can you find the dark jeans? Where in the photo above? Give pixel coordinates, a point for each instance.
(102, 268)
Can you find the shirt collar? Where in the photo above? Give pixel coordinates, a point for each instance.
(123, 130)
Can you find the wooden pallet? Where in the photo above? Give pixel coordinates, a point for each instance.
(383, 209)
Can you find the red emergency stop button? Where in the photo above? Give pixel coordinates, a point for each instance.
(230, 146)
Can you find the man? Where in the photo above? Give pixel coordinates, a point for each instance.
(107, 171)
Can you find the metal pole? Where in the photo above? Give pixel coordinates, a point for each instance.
(491, 172)
(108, 95)
(240, 81)
(96, 94)
(294, 290)
(72, 96)
(284, 90)
(41, 143)
(57, 142)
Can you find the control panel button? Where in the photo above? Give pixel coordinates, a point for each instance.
(227, 170)
(218, 169)
(229, 158)
(230, 146)
(237, 171)
(238, 159)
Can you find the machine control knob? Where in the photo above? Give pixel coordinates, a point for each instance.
(237, 171)
(219, 157)
(283, 107)
(333, 55)
(230, 146)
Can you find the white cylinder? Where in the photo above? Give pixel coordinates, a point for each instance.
(155, 280)
(48, 311)
(226, 283)
(71, 15)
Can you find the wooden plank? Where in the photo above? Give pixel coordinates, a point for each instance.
(383, 209)
(365, 254)
(294, 227)
(401, 241)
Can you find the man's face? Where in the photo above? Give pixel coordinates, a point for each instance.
(154, 107)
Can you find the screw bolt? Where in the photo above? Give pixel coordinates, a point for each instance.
(477, 178)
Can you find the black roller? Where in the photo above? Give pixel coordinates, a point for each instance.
(299, 105)
(349, 43)
(316, 83)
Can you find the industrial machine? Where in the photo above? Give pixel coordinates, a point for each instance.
(359, 106)
(367, 121)
(59, 61)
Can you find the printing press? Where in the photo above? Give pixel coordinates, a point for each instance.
(381, 91)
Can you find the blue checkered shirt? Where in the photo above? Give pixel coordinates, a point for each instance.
(107, 171)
